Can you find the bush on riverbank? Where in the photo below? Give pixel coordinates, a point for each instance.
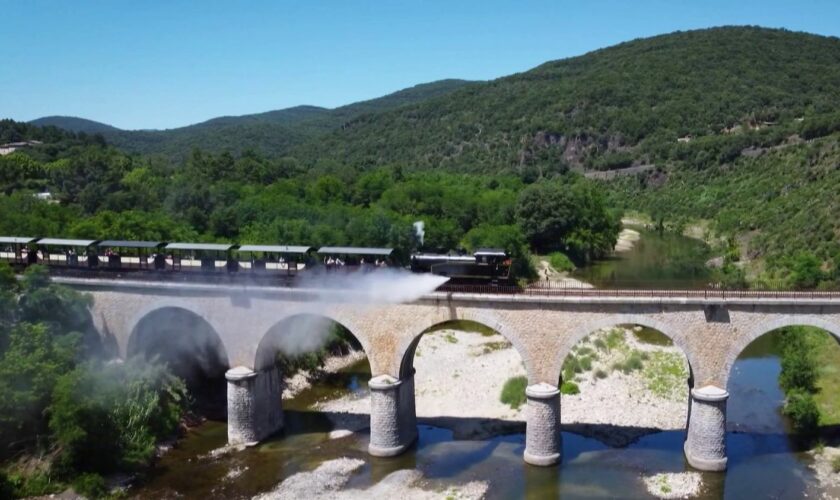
(339, 342)
(64, 411)
(513, 392)
(798, 380)
(560, 262)
(801, 408)
(569, 388)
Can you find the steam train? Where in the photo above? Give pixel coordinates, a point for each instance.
(225, 261)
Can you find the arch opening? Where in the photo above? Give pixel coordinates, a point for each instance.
(192, 351)
(324, 366)
(468, 377)
(629, 376)
(785, 380)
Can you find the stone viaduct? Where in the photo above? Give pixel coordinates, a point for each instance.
(711, 331)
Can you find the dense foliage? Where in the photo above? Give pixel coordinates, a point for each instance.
(798, 378)
(99, 192)
(59, 398)
(776, 207)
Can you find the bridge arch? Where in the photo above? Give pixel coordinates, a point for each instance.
(584, 329)
(314, 333)
(191, 348)
(408, 347)
(742, 341)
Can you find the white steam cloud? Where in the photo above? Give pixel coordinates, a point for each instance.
(420, 230)
(311, 330)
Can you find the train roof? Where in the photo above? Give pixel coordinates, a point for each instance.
(65, 242)
(212, 247)
(438, 256)
(356, 251)
(130, 244)
(17, 239)
(275, 248)
(491, 251)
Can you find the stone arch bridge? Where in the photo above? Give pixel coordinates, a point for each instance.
(711, 331)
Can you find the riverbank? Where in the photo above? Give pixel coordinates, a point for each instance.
(329, 479)
(303, 379)
(460, 375)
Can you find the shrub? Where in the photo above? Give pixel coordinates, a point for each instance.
(513, 392)
(600, 373)
(569, 388)
(108, 417)
(803, 412)
(560, 262)
(600, 344)
(835, 464)
(570, 367)
(631, 364)
(799, 370)
(34, 485)
(585, 363)
(90, 486)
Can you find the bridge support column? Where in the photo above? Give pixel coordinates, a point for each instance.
(393, 423)
(254, 404)
(543, 441)
(705, 445)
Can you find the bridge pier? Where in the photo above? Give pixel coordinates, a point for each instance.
(543, 441)
(254, 404)
(705, 445)
(393, 422)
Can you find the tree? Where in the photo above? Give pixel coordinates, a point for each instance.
(568, 216)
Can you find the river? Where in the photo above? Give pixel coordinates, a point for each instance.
(763, 460)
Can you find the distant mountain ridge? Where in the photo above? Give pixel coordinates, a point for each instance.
(271, 132)
(75, 124)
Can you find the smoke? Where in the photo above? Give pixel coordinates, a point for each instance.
(310, 330)
(420, 230)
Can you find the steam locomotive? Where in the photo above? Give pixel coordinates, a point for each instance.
(485, 265)
(223, 261)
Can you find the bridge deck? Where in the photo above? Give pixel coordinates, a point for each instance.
(476, 293)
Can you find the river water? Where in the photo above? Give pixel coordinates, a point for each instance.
(763, 460)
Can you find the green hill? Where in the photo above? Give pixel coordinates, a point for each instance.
(623, 105)
(271, 133)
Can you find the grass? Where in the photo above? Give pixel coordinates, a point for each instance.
(464, 325)
(835, 464)
(665, 375)
(615, 339)
(631, 363)
(569, 388)
(827, 354)
(450, 338)
(513, 392)
(495, 346)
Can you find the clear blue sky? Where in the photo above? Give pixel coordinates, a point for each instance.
(162, 64)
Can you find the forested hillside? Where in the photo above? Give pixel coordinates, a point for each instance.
(623, 105)
(272, 133)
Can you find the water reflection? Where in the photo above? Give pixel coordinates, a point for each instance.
(657, 260)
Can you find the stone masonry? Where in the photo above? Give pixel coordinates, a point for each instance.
(543, 329)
